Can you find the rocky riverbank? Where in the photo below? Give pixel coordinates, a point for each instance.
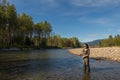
(112, 53)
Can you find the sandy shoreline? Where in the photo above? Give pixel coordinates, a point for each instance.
(111, 53)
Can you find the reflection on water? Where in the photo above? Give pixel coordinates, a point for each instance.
(86, 76)
(55, 64)
(38, 65)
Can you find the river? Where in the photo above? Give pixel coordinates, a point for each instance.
(54, 64)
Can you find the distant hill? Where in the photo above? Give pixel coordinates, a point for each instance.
(94, 42)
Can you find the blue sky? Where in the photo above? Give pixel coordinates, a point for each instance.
(86, 19)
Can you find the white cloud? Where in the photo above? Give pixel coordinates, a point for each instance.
(100, 21)
(92, 35)
(94, 3)
(110, 30)
(118, 30)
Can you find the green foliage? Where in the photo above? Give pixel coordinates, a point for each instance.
(57, 41)
(20, 31)
(110, 41)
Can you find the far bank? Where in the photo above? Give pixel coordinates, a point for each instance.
(111, 53)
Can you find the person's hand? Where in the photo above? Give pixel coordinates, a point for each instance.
(85, 56)
(81, 55)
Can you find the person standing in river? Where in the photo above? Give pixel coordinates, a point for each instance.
(85, 57)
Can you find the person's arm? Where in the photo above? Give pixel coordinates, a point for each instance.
(80, 54)
(86, 53)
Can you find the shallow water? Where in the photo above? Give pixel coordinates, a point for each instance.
(56, 64)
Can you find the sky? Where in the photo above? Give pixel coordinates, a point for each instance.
(87, 20)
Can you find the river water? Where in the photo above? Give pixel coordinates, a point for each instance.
(56, 64)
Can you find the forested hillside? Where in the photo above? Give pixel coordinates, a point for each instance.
(19, 30)
(110, 41)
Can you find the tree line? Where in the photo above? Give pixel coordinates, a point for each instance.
(19, 30)
(110, 41)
